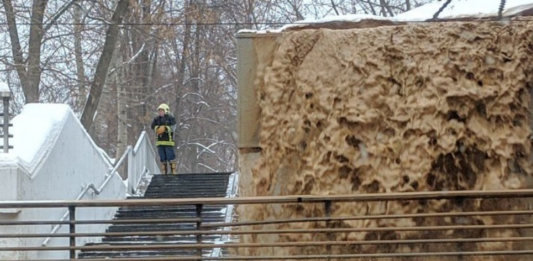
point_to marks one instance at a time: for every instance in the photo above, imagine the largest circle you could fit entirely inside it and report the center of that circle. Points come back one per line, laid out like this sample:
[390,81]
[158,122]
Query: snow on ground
[456,9]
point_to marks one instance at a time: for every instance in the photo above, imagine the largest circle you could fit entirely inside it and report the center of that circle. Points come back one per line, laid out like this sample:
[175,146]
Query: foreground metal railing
[324,248]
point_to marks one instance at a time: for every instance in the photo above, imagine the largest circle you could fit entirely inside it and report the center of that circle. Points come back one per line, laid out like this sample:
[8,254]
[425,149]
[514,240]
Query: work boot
[164,167]
[173,167]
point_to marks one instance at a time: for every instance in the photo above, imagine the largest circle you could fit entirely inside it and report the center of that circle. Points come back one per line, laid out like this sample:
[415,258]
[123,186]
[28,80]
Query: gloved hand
[160,130]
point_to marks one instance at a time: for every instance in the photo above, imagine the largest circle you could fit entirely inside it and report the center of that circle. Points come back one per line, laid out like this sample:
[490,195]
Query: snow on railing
[233,186]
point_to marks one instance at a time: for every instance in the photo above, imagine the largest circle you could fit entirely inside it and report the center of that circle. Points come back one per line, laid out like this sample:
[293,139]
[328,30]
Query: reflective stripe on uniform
[164,143]
[169,142]
[169,130]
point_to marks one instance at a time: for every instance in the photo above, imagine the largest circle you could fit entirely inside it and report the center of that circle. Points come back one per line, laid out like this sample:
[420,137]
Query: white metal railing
[141,159]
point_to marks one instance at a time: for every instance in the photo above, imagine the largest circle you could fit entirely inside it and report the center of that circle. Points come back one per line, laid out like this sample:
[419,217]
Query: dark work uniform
[165,141]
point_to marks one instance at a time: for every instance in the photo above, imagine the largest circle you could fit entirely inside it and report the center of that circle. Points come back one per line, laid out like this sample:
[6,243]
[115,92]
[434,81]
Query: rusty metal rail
[332,247]
[462,194]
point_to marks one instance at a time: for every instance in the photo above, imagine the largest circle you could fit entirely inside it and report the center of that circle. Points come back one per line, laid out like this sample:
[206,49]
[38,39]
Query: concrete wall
[252,50]
[72,162]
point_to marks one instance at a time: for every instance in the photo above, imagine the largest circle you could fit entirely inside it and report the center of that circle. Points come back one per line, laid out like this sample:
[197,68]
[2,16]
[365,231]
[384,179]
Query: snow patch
[4,87]
[466,8]
[35,130]
[456,9]
[340,18]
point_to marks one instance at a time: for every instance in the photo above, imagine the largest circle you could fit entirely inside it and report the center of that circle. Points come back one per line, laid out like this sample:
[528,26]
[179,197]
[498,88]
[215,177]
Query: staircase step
[206,217]
[143,239]
[167,210]
[138,254]
[139,228]
[184,195]
[185,208]
[137,244]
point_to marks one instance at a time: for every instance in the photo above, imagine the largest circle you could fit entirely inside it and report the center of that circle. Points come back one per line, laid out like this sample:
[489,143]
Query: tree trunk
[180,79]
[122,126]
[30,77]
[78,54]
[144,63]
[103,65]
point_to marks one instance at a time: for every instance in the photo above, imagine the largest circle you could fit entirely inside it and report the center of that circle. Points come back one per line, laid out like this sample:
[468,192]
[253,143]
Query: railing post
[72,231]
[327,212]
[5,125]
[130,169]
[199,228]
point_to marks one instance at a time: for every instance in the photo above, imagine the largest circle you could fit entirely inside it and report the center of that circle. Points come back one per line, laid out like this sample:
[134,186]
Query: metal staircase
[165,186]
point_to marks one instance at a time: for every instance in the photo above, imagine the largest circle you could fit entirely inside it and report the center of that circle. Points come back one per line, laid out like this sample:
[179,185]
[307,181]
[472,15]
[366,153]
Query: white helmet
[164,107]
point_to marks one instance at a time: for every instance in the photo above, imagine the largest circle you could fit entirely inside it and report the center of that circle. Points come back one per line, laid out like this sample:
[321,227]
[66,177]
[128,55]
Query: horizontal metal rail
[193,232]
[313,257]
[273,199]
[284,244]
[258,245]
[98,222]
[269,222]
[279,231]
[370,217]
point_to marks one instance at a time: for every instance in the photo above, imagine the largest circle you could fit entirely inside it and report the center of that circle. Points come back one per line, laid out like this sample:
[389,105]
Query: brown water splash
[440,106]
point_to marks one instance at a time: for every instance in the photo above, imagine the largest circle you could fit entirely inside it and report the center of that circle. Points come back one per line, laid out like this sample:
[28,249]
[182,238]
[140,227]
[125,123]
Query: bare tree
[28,69]
[103,64]
[181,52]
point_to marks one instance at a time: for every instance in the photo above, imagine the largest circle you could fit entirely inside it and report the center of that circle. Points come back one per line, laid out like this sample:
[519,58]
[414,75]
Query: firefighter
[165,125]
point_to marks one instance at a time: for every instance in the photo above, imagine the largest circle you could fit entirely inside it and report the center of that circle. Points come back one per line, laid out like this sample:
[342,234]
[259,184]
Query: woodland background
[115,61]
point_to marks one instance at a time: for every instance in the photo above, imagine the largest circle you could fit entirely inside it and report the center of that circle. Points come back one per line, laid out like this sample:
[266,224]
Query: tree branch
[436,15]
[16,49]
[334,6]
[61,11]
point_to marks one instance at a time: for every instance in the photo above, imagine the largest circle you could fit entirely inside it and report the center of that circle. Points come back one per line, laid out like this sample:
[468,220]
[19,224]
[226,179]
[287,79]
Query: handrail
[92,187]
[439,232]
[138,143]
[273,199]
[277,221]
[114,170]
[135,180]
